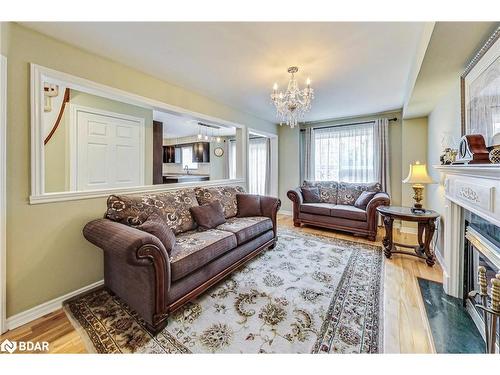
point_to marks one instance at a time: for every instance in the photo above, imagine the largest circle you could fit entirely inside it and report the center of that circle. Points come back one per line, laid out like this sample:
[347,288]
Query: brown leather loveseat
[349,207]
[158,257]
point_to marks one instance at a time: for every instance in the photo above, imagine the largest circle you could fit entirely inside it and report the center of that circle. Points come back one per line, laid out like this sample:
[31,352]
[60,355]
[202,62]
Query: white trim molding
[3,200]
[46,307]
[72,195]
[40,74]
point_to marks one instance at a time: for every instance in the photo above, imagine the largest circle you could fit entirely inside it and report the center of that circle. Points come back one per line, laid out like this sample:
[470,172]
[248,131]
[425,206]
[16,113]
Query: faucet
[186,168]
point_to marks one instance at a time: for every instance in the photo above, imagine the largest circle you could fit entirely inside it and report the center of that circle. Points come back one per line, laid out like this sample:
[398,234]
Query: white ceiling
[355,68]
[177,126]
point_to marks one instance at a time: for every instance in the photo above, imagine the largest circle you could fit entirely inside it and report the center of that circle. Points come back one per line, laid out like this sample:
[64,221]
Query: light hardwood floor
[405,324]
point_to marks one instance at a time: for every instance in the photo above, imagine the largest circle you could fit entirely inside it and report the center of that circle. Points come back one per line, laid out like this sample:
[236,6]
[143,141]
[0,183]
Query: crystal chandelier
[292,104]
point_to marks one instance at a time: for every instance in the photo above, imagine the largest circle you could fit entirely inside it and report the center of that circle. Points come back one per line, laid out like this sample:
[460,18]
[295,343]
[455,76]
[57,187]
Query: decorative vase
[495,155]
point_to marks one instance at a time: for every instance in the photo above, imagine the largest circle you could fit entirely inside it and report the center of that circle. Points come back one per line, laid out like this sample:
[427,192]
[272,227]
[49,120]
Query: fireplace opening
[481,248]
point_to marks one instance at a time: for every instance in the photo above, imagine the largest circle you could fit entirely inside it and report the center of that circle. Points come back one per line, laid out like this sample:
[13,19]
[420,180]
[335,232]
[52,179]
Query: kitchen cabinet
[171,154]
[201,152]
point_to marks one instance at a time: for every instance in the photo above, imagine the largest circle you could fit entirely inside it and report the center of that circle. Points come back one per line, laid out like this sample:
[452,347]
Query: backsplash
[203,168]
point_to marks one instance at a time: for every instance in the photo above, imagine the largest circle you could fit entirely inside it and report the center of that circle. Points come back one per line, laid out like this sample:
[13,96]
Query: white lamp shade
[418,175]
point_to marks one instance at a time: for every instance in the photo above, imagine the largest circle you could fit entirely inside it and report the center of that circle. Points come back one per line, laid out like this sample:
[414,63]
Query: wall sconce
[49,91]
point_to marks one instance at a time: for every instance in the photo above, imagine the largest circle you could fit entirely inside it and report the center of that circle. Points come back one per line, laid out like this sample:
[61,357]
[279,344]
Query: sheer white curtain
[345,153]
[232,158]
[258,164]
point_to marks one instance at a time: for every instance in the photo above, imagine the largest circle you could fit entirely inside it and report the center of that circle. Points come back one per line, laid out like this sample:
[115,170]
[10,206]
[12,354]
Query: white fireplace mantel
[477,189]
[474,187]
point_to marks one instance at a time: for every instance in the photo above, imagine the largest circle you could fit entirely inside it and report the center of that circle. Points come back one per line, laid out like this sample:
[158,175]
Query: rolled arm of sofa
[114,237]
[379,199]
[269,207]
[127,248]
[295,195]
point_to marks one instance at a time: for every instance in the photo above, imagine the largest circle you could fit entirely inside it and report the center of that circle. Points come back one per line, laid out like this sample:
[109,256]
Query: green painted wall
[47,255]
[288,163]
[443,120]
[414,141]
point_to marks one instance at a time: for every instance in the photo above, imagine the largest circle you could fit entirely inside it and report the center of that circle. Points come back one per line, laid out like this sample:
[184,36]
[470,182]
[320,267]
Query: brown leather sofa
[155,280]
[335,208]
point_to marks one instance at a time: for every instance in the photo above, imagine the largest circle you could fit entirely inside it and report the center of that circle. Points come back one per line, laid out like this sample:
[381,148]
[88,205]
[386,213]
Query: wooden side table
[426,227]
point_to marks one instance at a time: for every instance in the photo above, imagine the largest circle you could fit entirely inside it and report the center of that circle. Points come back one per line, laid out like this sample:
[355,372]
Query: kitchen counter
[172,178]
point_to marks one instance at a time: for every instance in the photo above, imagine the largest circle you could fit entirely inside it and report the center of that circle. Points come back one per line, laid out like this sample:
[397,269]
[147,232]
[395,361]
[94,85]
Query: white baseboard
[440,260]
[46,307]
[285,212]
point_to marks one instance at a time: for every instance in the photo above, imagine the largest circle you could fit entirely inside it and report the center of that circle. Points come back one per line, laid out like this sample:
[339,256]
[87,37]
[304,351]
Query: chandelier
[292,104]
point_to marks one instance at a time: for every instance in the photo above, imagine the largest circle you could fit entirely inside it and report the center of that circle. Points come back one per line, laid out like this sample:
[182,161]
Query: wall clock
[472,150]
[218,151]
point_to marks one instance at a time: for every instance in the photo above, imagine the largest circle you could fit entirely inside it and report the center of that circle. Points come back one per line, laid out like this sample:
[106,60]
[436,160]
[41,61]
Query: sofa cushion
[209,215]
[364,199]
[172,206]
[247,228]
[317,208]
[311,194]
[327,190]
[225,194]
[348,192]
[348,212]
[248,205]
[194,249]
[156,226]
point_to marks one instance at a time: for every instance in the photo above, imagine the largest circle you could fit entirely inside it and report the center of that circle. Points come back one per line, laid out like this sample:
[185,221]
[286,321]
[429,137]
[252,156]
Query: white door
[109,151]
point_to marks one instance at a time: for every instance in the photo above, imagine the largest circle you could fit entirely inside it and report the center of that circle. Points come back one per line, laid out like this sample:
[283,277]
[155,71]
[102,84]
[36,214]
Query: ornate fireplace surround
[475,188]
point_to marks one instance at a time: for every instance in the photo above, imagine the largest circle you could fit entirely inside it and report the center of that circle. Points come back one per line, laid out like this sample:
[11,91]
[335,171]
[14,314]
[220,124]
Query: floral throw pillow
[348,192]
[172,206]
[327,190]
[226,195]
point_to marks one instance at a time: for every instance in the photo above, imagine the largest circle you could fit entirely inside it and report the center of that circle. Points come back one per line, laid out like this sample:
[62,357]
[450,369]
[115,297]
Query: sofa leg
[372,237]
[296,224]
[157,328]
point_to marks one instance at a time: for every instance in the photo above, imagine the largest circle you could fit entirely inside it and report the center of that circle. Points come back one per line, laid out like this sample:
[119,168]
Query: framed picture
[480,92]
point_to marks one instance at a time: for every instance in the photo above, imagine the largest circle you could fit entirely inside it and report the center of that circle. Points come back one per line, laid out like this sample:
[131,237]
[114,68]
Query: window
[345,153]
[258,169]
[187,158]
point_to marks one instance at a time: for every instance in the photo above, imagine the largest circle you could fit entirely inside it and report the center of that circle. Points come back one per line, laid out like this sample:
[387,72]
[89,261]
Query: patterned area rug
[310,294]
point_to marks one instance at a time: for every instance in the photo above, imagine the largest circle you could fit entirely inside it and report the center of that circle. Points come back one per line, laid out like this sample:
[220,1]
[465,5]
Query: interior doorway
[262,163]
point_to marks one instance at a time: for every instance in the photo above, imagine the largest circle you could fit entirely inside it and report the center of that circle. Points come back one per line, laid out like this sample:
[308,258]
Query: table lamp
[417,177]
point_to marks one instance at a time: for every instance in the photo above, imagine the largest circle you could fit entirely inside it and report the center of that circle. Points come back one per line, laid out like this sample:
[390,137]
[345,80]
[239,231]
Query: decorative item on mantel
[491,314]
[417,177]
[495,150]
[448,144]
[472,150]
